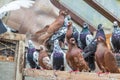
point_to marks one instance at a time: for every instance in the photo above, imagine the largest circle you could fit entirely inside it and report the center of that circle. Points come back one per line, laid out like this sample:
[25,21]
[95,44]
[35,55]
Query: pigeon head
[66,20]
[30,44]
[85,25]
[75,36]
[42,48]
[72,41]
[69,24]
[62,12]
[100,26]
[115,23]
[3,14]
[56,42]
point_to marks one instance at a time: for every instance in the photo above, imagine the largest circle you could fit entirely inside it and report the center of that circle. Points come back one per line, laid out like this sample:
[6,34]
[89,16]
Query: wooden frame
[19,56]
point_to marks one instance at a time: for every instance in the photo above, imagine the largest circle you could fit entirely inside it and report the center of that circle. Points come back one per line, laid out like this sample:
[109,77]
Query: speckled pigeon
[115,39]
[60,34]
[58,57]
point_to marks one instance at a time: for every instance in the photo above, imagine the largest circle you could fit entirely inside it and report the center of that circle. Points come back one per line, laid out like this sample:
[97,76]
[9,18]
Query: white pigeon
[15,5]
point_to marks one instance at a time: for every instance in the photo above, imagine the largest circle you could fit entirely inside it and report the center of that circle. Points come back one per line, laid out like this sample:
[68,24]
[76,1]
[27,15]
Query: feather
[60,34]
[35,57]
[16,5]
[2,27]
[89,39]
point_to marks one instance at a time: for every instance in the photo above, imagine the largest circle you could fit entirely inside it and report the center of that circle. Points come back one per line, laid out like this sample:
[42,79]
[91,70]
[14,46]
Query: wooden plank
[20,61]
[12,36]
[64,75]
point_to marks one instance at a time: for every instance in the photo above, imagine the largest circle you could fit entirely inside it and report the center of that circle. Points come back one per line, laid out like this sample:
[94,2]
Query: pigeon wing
[15,5]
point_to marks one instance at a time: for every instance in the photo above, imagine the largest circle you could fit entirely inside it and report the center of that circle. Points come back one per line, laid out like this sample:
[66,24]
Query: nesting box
[12,48]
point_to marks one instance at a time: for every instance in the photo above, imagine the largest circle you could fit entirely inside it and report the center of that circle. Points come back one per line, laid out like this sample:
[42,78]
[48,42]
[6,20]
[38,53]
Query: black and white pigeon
[85,36]
[32,55]
[115,38]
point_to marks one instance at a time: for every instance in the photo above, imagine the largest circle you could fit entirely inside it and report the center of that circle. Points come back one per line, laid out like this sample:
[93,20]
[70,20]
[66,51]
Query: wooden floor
[7,70]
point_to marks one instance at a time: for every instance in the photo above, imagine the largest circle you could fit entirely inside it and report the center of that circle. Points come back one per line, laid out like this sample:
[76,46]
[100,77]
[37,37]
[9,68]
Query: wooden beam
[12,36]
[64,75]
[79,20]
[101,9]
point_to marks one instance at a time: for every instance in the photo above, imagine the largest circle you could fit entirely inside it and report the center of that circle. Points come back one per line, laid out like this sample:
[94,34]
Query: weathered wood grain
[64,75]
[12,36]
[20,61]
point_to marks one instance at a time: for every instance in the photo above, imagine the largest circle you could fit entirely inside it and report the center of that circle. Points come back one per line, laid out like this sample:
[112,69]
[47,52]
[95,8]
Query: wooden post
[20,61]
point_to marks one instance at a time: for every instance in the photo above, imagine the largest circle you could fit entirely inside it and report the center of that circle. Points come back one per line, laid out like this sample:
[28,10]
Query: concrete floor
[7,71]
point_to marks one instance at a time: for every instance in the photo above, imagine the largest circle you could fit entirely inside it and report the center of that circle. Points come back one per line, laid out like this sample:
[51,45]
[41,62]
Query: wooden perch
[64,75]
[12,36]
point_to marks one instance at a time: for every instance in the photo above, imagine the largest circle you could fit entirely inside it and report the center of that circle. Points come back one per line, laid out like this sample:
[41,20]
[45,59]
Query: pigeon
[74,57]
[44,60]
[90,50]
[83,36]
[53,27]
[58,57]
[31,55]
[104,57]
[115,38]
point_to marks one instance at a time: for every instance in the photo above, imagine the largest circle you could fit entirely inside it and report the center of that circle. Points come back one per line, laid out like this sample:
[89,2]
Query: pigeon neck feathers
[116,29]
[57,47]
[86,30]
